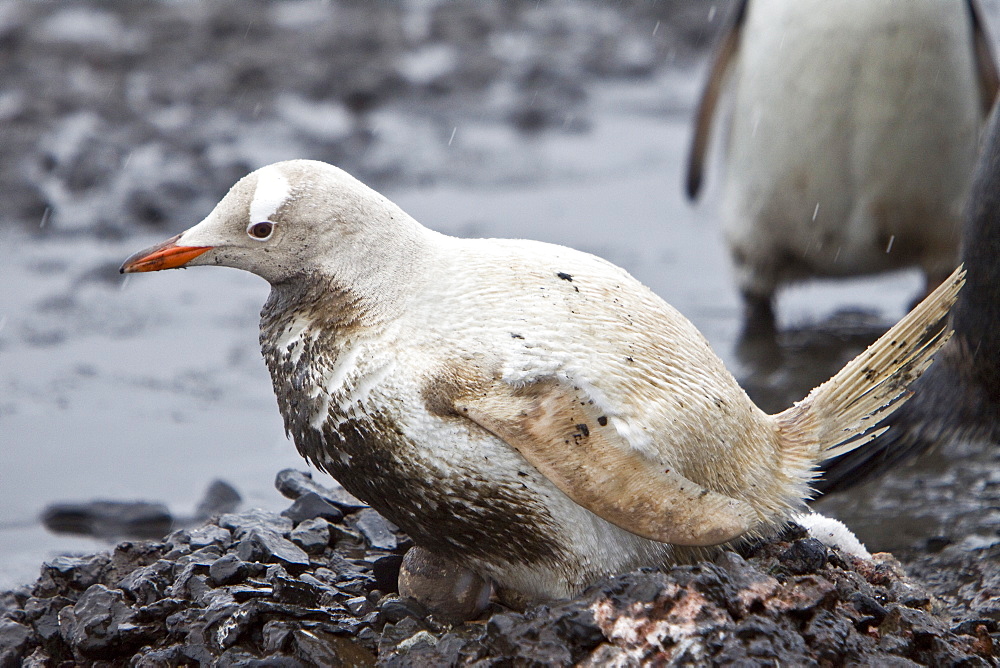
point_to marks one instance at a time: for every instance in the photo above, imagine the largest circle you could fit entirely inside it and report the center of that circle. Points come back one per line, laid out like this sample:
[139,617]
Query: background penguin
[854,129]
[959,396]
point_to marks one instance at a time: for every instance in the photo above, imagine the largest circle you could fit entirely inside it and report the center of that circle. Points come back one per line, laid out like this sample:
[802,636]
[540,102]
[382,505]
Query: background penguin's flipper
[986,68]
[724,54]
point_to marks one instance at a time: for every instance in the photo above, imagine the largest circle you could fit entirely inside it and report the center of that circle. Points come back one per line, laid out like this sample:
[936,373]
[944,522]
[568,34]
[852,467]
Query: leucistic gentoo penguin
[529,411]
[958,399]
[853,134]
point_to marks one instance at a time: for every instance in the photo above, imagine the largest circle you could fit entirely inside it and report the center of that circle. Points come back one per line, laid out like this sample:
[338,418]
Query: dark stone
[227,570]
[311,505]
[737,585]
[908,621]
[13,601]
[359,606]
[337,621]
[75,572]
[160,658]
[868,606]
[250,551]
[329,595]
[760,636]
[159,610]
[148,583]
[100,624]
[293,484]
[202,558]
[243,593]
[312,535]
[276,634]
[909,596]
[512,634]
[805,556]
[338,569]
[396,609]
[210,534]
[109,519]
[189,582]
[802,594]
[345,537]
[295,592]
[178,543]
[265,545]
[44,615]
[220,498]
[250,617]
[318,648]
[830,635]
[386,572]
[238,657]
[275,571]
[244,523]
[398,631]
[970,627]
[357,586]
[238,623]
[374,528]
[14,641]
[196,653]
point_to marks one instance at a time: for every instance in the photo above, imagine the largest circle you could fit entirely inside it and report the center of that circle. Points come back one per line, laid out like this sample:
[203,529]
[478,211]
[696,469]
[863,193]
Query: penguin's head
[288,219]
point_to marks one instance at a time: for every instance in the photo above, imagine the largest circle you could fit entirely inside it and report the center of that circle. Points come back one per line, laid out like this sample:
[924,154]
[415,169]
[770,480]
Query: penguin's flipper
[986,67]
[724,54]
[558,430]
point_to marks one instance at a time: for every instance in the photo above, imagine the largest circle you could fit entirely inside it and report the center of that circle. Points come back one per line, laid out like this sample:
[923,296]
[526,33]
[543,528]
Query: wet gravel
[256,588]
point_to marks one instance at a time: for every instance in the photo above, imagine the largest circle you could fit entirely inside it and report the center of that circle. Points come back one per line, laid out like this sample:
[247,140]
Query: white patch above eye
[271,192]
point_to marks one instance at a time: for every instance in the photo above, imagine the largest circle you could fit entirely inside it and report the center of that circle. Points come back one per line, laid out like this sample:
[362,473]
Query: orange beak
[167,255]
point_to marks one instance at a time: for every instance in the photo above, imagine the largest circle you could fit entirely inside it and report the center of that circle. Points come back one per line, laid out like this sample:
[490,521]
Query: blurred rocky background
[142,114]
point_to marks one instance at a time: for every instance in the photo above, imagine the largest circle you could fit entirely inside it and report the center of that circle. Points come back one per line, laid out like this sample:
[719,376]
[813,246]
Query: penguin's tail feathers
[846,411]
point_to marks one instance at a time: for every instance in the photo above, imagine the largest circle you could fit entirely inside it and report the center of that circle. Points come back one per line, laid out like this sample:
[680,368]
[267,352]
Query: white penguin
[528,411]
[854,130]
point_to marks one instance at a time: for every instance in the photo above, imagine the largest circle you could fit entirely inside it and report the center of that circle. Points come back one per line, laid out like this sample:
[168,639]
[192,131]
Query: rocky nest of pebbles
[316,585]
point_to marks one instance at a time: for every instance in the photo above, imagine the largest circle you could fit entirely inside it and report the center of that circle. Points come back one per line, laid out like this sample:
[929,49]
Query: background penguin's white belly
[855,125]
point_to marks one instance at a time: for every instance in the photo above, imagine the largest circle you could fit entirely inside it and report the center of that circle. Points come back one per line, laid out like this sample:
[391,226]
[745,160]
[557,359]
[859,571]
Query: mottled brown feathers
[458,514]
[557,429]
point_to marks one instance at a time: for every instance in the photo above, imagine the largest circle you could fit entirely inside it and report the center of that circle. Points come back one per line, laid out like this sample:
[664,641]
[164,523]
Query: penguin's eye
[260,230]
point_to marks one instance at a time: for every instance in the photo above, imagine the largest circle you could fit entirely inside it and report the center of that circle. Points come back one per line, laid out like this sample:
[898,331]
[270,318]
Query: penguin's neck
[313,303]
[313,338]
